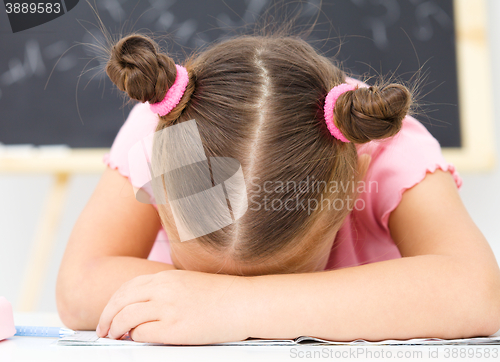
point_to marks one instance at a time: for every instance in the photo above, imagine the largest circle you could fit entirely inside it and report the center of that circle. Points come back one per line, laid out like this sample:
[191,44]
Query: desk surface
[45,349]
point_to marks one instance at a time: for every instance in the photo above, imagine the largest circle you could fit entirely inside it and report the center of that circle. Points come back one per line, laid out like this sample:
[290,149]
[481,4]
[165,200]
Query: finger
[149,332]
[130,317]
[117,303]
[133,291]
[158,332]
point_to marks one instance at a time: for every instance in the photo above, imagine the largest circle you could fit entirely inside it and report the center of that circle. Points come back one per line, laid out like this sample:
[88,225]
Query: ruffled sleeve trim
[107,160]
[447,168]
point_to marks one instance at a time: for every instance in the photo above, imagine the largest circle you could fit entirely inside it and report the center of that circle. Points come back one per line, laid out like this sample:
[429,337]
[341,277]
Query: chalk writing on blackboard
[60,65]
[389,14]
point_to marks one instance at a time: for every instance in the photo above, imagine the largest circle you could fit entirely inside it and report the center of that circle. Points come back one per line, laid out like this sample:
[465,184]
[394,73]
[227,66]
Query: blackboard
[74,103]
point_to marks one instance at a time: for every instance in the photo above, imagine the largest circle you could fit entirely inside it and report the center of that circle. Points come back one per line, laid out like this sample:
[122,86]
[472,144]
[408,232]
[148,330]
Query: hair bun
[137,67]
[372,113]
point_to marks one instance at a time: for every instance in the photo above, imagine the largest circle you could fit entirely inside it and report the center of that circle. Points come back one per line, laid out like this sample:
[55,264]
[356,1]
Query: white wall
[22,198]
[480,192]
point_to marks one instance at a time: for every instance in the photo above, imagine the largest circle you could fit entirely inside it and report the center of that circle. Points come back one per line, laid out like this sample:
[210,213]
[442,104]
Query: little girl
[352,228]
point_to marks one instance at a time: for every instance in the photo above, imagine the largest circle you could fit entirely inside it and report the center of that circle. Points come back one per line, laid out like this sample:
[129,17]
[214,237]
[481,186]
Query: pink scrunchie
[330,100]
[174,94]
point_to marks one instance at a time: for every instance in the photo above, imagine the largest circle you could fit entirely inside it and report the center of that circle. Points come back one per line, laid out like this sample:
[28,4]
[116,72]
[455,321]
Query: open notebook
[90,338]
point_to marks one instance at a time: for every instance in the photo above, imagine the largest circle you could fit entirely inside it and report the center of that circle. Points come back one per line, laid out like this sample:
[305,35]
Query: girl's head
[259,100]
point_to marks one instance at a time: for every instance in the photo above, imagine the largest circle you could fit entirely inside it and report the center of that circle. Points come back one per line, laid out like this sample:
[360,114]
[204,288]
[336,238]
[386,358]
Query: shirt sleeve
[139,126]
[399,163]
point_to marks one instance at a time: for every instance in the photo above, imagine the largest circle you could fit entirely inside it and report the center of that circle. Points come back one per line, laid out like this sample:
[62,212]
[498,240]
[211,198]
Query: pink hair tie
[330,101]
[174,94]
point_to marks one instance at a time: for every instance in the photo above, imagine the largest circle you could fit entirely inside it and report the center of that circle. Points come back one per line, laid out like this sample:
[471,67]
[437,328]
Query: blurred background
[23,196]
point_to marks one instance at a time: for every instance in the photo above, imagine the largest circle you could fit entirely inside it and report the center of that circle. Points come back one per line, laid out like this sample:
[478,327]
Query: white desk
[45,349]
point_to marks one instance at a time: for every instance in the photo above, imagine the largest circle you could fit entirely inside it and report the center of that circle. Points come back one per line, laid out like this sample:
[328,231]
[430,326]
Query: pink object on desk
[7,328]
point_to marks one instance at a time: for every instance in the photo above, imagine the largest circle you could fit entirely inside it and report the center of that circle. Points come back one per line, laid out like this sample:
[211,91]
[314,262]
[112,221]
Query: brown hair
[259,100]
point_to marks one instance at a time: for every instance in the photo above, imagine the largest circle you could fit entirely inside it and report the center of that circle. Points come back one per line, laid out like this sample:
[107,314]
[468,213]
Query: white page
[416,341]
[90,338]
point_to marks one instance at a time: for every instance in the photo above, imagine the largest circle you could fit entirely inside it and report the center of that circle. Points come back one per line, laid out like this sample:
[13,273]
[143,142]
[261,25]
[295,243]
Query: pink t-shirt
[397,164]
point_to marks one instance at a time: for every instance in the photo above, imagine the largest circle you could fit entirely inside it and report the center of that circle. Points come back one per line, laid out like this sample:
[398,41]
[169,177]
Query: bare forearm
[422,296]
[82,296]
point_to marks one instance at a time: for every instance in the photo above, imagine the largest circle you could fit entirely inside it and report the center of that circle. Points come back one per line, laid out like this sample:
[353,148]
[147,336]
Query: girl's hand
[179,307]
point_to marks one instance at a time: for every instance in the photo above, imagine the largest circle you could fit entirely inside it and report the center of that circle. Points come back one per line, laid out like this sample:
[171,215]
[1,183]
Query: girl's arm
[447,284]
[108,246]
